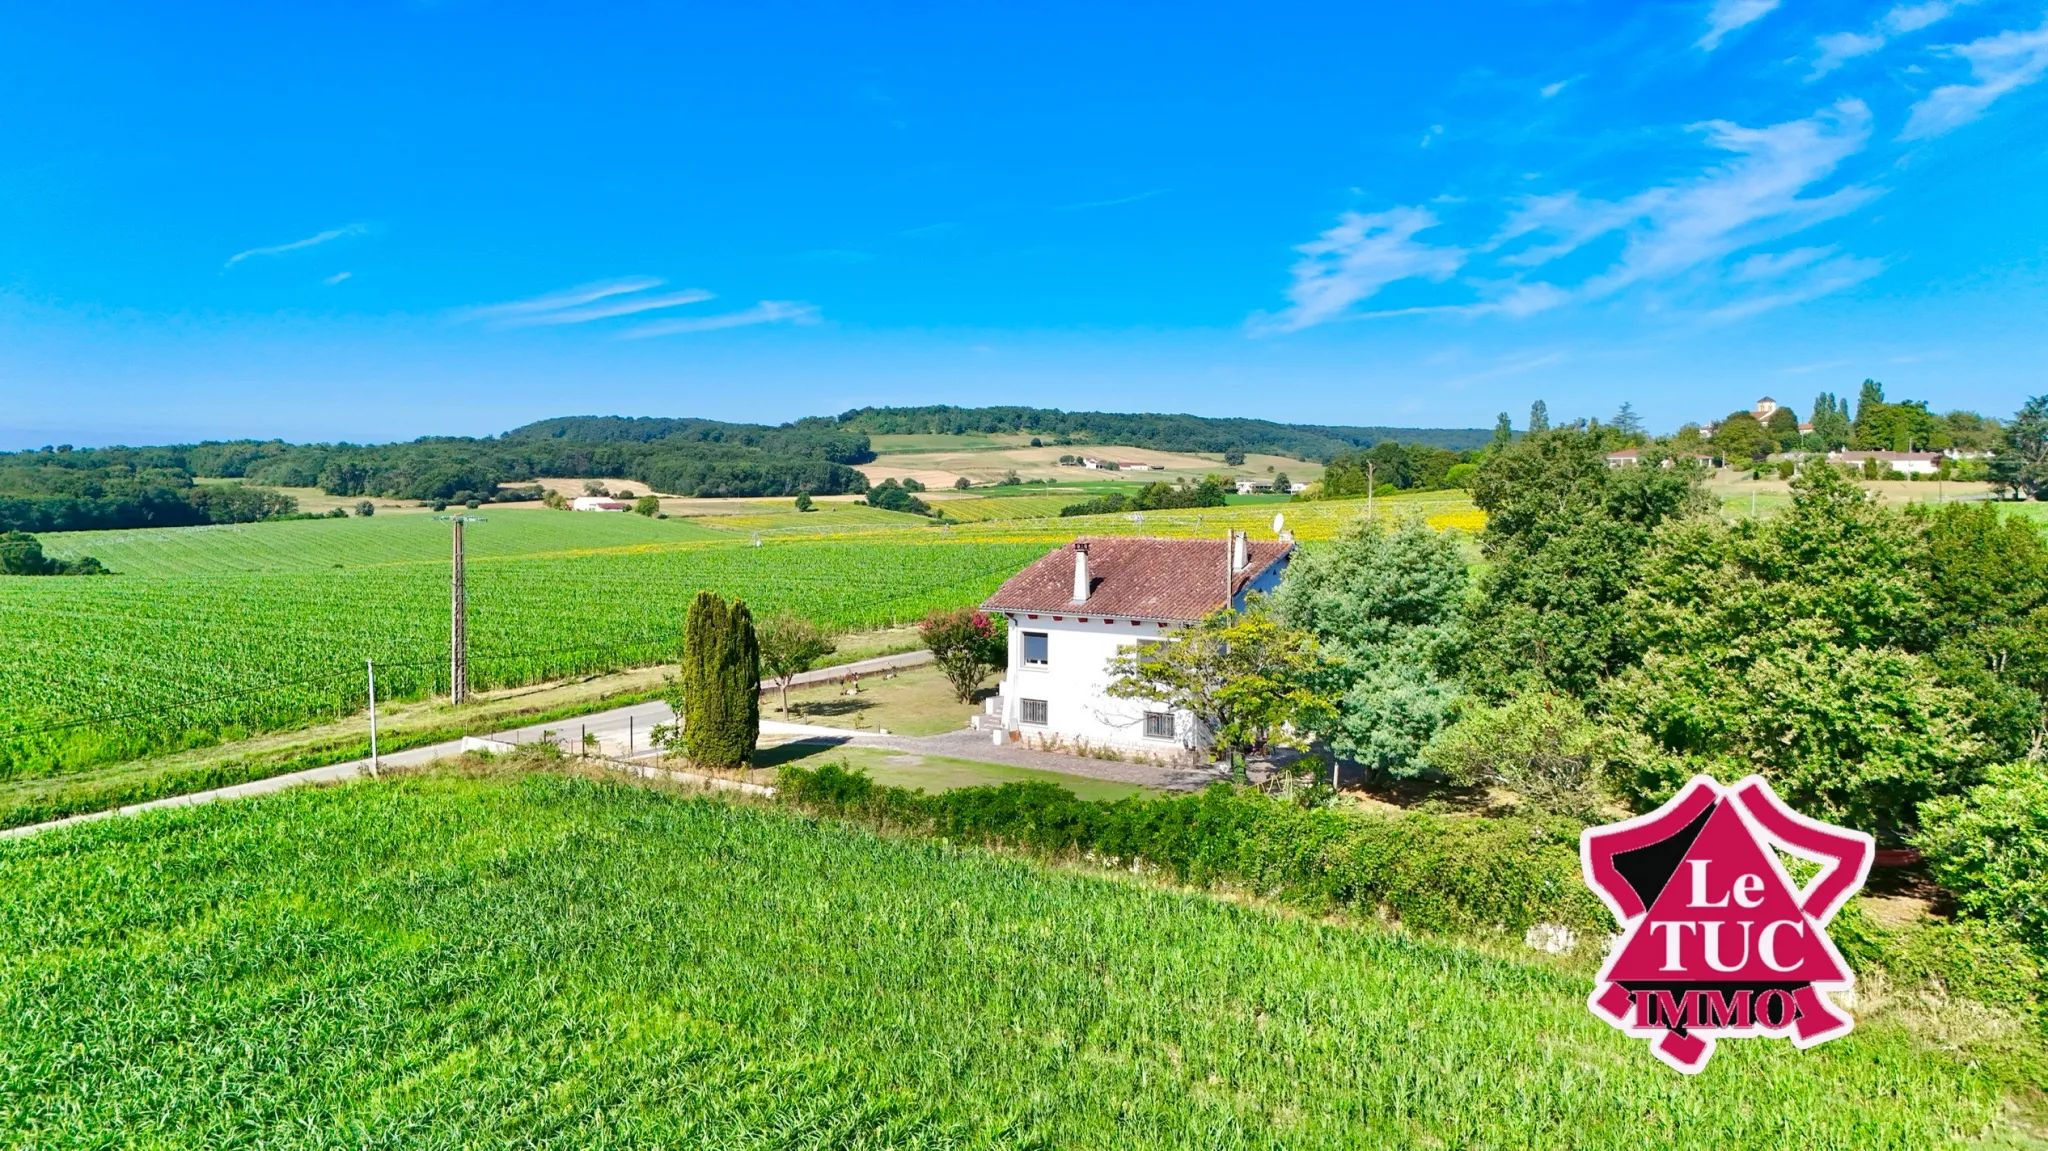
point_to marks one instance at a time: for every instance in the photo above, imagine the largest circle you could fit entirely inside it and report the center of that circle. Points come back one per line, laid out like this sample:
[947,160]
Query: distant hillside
[59,489]
[1166,433]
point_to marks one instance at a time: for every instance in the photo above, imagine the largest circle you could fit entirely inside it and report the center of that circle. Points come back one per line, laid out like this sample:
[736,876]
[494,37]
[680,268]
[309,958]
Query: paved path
[627,733]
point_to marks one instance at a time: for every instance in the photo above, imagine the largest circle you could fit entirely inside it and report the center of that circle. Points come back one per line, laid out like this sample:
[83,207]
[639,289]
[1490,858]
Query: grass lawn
[916,701]
[932,772]
[536,961]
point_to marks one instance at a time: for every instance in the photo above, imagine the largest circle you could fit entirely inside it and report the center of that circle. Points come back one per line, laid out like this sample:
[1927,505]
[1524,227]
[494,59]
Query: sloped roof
[1142,577]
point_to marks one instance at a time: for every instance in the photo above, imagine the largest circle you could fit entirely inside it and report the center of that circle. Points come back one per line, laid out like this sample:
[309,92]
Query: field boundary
[414,756]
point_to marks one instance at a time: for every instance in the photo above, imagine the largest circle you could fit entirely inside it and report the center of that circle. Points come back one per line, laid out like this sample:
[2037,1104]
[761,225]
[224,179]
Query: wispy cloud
[765,312]
[2000,64]
[1728,15]
[1550,90]
[1839,48]
[584,303]
[296,245]
[1354,260]
[1693,240]
[565,298]
[337,278]
[1132,199]
[607,309]
[1758,197]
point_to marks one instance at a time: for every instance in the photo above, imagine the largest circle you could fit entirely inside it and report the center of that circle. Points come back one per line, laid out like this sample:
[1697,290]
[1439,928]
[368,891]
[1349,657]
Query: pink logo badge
[1717,941]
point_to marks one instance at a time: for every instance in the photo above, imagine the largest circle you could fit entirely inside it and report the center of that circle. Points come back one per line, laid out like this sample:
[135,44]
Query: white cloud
[765,312]
[1549,90]
[1681,228]
[1728,15]
[555,301]
[1906,18]
[1793,278]
[295,245]
[1839,48]
[337,278]
[2000,64]
[1355,259]
[606,309]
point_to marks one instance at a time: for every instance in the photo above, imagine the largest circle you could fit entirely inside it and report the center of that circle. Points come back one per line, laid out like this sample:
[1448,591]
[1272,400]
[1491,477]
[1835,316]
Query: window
[1032,711]
[1158,725]
[1034,649]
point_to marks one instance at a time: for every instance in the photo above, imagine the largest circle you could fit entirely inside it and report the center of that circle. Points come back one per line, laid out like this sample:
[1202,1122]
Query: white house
[598,504]
[1905,463]
[1625,458]
[1246,486]
[1075,608]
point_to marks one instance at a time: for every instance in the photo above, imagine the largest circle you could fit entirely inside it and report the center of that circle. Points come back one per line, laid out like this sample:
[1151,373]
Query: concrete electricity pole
[458,620]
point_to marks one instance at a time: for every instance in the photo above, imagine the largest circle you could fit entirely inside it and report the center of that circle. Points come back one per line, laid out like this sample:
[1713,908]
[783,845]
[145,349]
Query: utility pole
[371,664]
[458,619]
[1371,468]
[458,629]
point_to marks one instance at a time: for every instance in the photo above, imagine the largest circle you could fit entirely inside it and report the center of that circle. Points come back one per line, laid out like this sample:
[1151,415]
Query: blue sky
[374,221]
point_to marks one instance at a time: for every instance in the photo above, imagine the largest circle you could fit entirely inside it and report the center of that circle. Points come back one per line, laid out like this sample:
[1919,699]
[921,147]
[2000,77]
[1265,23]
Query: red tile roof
[1165,579]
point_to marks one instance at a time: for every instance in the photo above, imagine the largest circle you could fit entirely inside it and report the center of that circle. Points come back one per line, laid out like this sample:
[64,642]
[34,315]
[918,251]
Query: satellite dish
[1279,521]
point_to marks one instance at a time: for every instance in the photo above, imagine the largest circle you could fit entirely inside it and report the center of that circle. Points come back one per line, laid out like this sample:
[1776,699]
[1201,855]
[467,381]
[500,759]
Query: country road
[626,733]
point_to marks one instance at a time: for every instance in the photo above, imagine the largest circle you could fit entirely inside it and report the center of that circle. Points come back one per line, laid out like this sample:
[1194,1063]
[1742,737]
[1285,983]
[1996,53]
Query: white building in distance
[598,504]
[1077,607]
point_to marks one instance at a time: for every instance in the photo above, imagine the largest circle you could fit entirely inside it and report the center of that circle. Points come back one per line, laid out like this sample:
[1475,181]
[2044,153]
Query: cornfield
[543,962]
[111,668]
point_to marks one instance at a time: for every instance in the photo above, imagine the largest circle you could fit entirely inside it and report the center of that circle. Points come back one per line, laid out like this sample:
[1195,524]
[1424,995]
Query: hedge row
[1435,873]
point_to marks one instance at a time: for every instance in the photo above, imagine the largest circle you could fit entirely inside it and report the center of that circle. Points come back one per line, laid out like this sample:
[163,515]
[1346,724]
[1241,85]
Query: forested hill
[62,489]
[1160,432]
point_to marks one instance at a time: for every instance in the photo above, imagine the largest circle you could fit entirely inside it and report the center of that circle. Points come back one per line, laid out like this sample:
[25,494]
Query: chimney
[1081,585]
[1238,559]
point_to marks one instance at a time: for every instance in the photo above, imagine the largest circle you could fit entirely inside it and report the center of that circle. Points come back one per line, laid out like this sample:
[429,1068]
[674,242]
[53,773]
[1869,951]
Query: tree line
[1885,669]
[1159,432]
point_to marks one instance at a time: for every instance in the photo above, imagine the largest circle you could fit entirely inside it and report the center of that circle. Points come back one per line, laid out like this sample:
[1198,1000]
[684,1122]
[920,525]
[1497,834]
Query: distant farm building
[598,504]
[1905,463]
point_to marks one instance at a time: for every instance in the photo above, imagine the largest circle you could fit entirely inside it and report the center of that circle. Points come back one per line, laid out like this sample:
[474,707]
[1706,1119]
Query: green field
[312,545]
[542,962]
[110,668]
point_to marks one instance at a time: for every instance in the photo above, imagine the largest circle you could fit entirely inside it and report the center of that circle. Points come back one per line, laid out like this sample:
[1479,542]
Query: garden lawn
[547,962]
[915,701]
[933,773]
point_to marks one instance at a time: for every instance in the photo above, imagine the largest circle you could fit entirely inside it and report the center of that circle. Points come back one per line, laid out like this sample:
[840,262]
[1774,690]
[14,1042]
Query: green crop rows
[548,963]
[315,545]
[109,668]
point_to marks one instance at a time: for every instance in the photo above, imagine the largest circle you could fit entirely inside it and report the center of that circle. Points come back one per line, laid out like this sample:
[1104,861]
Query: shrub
[649,506]
[1435,873]
[365,508]
[961,484]
[719,683]
[1539,745]
[967,645]
[803,501]
[1989,847]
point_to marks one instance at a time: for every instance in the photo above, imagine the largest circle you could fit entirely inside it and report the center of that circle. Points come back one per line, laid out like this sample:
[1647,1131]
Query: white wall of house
[1073,681]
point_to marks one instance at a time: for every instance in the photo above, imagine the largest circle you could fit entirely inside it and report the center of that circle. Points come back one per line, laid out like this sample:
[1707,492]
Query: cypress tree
[720,681]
